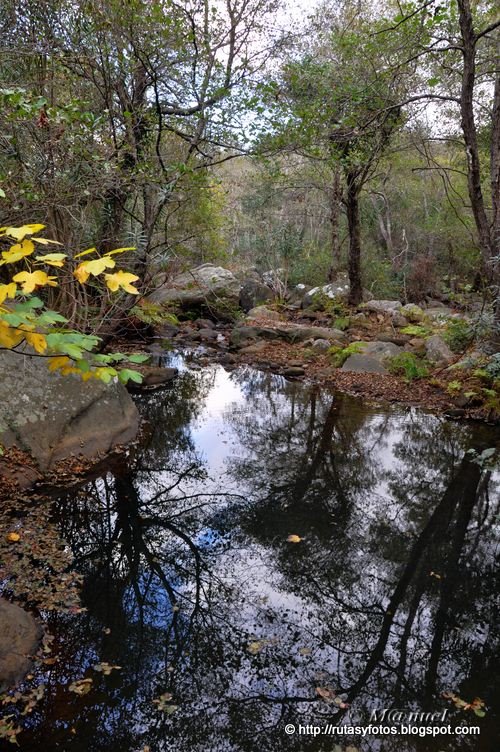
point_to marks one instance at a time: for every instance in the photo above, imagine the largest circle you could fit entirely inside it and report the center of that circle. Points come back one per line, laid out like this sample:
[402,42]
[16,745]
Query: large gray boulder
[336,290]
[242,336]
[372,357]
[52,416]
[20,639]
[437,351]
[389,307]
[254,293]
[206,284]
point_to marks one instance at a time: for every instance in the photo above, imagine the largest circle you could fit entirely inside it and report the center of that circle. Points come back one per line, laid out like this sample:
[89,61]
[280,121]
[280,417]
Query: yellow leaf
[53,259]
[7,291]
[58,362]
[97,266]
[120,250]
[46,241]
[85,253]
[37,341]
[122,279]
[294,539]
[81,274]
[18,251]
[13,537]
[9,336]
[20,232]
[30,280]
[94,267]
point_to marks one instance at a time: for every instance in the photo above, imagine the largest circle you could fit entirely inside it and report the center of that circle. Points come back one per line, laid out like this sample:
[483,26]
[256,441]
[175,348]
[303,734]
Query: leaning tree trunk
[353,224]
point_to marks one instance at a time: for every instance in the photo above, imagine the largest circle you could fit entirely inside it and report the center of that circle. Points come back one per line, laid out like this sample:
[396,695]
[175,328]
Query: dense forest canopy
[364,138]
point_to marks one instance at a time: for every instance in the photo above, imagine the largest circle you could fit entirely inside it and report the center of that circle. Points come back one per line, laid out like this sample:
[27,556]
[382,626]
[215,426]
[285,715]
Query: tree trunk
[352,205]
[335,206]
[470,134]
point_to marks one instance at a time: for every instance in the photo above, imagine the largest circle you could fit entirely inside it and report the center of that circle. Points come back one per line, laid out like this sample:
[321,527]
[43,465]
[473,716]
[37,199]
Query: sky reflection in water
[391,597]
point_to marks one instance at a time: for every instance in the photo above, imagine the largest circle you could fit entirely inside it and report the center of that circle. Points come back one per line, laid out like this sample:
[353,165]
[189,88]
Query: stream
[226,629]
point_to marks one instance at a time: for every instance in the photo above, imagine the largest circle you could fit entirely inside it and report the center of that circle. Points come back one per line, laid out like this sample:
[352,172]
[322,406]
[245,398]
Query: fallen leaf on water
[255,646]
[326,693]
[162,703]
[294,539]
[340,702]
[105,668]
[13,537]
[81,686]
[305,651]
[436,575]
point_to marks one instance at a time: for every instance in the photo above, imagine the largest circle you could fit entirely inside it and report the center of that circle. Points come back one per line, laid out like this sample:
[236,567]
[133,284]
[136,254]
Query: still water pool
[191,584]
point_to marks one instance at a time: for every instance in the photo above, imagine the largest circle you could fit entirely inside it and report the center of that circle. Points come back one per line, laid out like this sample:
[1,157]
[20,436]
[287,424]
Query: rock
[227,359]
[381,349]
[359,363]
[165,331]
[336,290]
[437,351]
[155,376]
[253,293]
[383,306]
[293,371]
[243,335]
[413,312]
[417,344]
[299,292]
[262,312]
[322,345]
[52,416]
[208,285]
[207,335]
[371,358]
[256,347]
[398,320]
[397,339]
[21,636]
[432,303]
[204,324]
[440,314]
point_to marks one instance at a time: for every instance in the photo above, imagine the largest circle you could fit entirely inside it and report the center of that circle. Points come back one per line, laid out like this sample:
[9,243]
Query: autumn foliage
[26,321]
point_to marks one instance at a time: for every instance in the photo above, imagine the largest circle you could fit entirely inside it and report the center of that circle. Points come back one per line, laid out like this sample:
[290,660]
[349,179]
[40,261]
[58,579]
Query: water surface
[389,599]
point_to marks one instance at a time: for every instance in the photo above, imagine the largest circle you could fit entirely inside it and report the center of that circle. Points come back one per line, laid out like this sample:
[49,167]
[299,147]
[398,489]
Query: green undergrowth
[408,365]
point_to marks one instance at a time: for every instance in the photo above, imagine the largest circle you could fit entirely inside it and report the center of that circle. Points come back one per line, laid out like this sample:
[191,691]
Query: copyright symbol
[289,728]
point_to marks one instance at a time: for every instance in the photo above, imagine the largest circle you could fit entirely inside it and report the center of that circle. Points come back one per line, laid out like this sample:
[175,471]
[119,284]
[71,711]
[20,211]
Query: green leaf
[137,358]
[128,375]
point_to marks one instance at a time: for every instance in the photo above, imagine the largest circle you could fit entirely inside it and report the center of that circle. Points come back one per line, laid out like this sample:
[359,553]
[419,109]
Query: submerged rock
[52,417]
[21,635]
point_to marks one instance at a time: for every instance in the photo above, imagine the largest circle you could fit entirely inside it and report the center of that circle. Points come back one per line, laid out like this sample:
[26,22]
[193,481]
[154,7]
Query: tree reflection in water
[192,587]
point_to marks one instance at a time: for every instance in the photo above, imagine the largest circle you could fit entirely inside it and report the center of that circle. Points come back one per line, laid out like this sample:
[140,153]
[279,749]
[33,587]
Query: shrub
[458,335]
[408,365]
[342,323]
[153,313]
[493,367]
[416,330]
